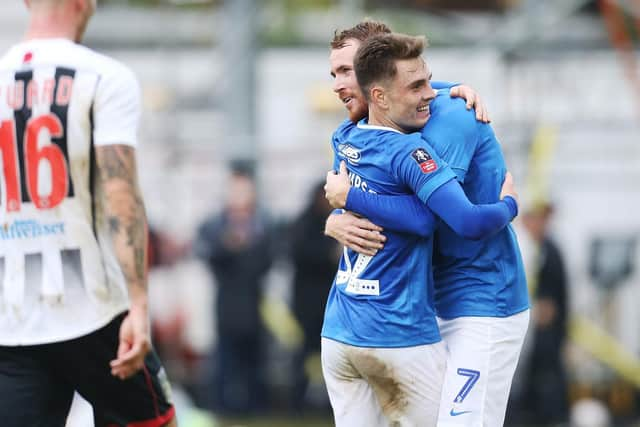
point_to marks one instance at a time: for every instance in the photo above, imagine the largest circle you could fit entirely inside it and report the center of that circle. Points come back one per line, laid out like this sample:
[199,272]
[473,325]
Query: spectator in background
[236,245]
[543,397]
[315,257]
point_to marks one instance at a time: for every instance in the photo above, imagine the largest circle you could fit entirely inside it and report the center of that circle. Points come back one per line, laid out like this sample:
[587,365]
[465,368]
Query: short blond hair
[361,32]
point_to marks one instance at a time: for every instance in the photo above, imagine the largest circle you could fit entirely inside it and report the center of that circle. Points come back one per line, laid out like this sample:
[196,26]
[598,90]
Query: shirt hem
[380,345]
[116,140]
[66,337]
[472,313]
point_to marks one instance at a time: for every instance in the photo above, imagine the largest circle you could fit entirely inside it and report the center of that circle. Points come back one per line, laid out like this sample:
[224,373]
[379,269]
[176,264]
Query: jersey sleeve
[416,165]
[402,214]
[336,162]
[339,135]
[454,134]
[438,85]
[468,220]
[116,111]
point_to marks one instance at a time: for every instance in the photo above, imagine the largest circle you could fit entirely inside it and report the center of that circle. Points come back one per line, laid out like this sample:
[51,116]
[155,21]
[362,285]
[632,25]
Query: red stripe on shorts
[156,422]
[154,397]
[159,420]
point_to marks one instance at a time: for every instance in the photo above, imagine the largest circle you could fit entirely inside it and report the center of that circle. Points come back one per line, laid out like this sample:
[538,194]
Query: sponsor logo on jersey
[348,151]
[424,160]
[29,229]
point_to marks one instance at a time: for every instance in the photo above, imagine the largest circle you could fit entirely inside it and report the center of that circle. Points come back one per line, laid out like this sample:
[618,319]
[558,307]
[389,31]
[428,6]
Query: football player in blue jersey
[480,288]
[382,355]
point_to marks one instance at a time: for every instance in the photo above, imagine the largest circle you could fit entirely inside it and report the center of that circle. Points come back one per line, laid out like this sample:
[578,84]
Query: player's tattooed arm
[125,213]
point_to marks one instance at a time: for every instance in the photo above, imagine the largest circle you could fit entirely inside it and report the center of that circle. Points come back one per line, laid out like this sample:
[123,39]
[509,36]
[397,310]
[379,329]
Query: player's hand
[337,187]
[358,234]
[473,101]
[135,343]
[509,188]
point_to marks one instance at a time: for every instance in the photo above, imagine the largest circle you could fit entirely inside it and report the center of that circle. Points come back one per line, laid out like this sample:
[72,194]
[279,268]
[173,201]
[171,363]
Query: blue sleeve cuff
[354,200]
[512,204]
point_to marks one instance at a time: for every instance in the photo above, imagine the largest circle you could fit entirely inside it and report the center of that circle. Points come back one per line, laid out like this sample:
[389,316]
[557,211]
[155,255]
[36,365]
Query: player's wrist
[342,198]
[139,300]
[329,227]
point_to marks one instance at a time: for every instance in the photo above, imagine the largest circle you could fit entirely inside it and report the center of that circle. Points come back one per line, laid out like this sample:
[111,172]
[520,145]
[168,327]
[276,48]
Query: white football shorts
[483,354]
[380,387]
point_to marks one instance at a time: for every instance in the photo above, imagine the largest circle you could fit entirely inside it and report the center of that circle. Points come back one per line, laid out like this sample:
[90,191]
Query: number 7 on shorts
[466,388]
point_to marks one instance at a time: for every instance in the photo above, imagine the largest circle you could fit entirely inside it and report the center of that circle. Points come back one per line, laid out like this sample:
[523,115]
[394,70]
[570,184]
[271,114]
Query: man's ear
[379,97]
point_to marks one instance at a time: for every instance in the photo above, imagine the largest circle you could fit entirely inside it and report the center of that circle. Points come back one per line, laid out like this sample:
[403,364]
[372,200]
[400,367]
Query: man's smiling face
[345,83]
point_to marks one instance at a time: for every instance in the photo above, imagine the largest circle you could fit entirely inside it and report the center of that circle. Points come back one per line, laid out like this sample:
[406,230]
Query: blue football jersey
[473,278]
[382,300]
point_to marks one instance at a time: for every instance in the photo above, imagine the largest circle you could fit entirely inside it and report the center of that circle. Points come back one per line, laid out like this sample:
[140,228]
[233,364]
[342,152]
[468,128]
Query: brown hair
[376,58]
[361,32]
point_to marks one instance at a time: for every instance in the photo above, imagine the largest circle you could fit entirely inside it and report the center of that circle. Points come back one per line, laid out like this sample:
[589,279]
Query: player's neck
[51,27]
[379,118]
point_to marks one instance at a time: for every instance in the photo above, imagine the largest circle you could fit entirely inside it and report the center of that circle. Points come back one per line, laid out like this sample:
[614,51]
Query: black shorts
[37,384]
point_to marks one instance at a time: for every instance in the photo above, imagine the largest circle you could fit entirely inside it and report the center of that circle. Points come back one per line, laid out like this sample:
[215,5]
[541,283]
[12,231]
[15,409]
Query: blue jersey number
[466,388]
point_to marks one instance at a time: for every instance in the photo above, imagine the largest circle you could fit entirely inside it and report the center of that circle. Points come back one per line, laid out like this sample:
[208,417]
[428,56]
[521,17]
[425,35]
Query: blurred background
[238,114]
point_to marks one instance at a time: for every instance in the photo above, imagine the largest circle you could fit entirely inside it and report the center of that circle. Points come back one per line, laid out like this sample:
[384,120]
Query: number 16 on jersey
[21,162]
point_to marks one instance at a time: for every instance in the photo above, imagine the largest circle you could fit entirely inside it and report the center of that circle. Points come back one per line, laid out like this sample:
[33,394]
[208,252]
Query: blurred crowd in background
[235,146]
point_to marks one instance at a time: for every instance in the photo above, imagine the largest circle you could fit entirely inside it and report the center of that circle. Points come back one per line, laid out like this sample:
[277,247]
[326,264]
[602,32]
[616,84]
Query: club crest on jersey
[424,160]
[349,152]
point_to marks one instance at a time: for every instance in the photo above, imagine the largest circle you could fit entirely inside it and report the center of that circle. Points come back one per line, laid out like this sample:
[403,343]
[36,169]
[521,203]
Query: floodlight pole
[238,45]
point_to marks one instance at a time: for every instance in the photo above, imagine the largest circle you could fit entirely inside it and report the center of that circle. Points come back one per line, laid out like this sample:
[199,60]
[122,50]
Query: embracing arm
[403,214]
[387,212]
[471,221]
[125,214]
[354,232]
[408,214]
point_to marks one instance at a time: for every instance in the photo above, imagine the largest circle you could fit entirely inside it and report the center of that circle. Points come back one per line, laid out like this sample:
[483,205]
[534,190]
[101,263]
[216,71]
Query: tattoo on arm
[114,224]
[125,212]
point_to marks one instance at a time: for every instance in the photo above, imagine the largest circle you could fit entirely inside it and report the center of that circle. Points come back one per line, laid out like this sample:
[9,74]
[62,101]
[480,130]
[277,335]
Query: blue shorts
[37,384]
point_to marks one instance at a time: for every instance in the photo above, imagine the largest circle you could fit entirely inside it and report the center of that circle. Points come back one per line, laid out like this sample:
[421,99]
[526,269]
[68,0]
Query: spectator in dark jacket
[543,400]
[237,247]
[315,257]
